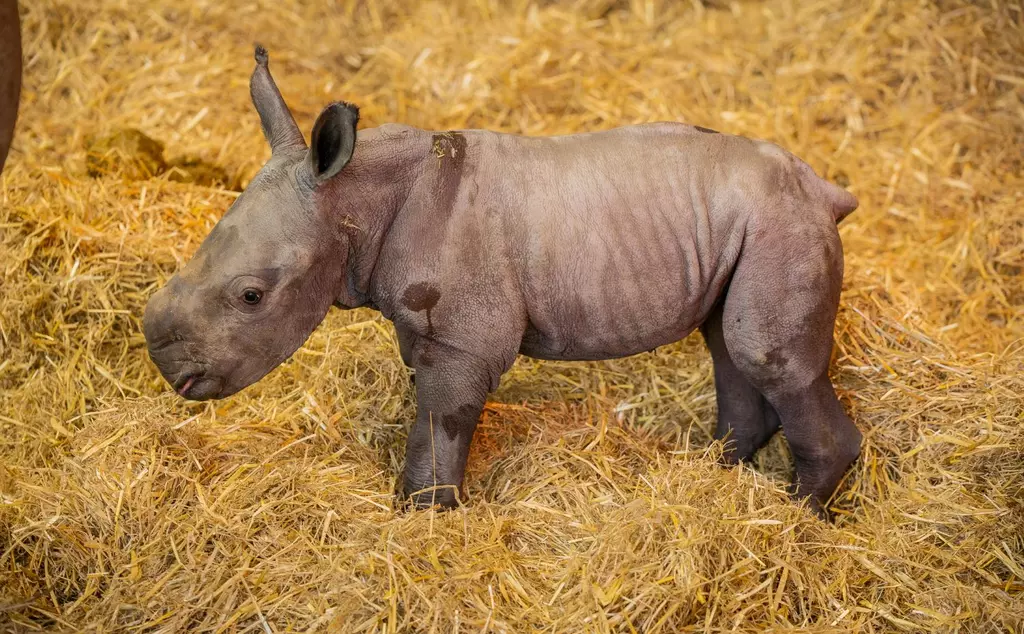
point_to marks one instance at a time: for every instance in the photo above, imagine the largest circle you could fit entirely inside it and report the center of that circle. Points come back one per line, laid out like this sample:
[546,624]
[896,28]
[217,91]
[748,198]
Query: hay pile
[596,502]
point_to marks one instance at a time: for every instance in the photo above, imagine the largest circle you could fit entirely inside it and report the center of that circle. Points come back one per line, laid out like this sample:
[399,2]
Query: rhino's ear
[333,140]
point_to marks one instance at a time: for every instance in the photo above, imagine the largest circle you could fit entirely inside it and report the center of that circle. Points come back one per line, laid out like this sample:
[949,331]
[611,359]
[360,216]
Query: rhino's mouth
[184,388]
[197,387]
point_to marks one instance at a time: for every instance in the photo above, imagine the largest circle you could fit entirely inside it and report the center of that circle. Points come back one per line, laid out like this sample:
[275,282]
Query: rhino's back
[601,244]
[620,240]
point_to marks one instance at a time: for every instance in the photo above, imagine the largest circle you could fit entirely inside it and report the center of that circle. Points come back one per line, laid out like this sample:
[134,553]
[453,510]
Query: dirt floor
[596,503]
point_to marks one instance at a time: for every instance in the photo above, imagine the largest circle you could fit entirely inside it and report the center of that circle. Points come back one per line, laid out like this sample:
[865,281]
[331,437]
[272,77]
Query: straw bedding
[596,502]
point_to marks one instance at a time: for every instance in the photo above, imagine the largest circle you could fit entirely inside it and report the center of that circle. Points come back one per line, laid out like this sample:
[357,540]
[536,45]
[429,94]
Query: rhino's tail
[840,202]
[843,202]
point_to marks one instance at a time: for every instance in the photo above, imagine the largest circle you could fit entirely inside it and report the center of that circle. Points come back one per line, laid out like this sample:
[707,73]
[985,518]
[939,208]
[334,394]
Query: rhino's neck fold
[363,200]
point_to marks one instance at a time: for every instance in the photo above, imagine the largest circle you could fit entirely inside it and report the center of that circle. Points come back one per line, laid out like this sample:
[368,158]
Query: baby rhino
[480,246]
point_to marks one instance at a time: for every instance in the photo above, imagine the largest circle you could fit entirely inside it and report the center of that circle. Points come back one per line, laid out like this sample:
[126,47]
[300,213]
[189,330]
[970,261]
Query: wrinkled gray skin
[481,246]
[10,74]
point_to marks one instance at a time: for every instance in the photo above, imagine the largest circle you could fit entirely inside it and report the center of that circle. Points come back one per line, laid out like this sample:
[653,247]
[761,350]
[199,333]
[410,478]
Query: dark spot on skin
[450,150]
[419,297]
[452,145]
[426,360]
[776,359]
[461,421]
[705,130]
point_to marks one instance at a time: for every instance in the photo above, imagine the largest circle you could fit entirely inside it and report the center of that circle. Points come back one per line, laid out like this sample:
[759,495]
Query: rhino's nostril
[157,344]
[161,345]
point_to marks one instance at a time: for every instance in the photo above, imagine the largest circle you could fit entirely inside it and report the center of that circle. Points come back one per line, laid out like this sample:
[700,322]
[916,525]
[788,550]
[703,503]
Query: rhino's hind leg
[746,421]
[777,324]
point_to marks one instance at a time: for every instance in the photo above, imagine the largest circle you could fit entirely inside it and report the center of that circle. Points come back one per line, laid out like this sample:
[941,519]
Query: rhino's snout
[165,345]
[169,350]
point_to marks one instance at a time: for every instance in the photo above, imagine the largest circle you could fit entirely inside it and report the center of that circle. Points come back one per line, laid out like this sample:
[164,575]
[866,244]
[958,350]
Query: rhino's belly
[597,346]
[616,317]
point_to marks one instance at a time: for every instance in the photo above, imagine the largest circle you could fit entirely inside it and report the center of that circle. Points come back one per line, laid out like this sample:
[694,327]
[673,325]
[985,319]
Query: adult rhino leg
[746,420]
[10,73]
[777,325]
[451,387]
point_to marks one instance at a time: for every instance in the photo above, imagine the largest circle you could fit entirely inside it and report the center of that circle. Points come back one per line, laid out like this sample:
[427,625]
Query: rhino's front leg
[451,387]
[405,349]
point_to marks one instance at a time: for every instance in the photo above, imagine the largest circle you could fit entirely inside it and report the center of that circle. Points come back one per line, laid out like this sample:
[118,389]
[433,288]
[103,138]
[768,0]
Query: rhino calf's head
[269,271]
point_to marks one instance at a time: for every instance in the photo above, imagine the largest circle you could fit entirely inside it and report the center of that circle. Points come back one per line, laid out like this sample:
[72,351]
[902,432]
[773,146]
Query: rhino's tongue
[184,388]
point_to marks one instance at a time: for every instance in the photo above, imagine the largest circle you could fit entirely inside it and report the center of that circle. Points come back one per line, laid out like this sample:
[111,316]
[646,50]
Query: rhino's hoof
[440,497]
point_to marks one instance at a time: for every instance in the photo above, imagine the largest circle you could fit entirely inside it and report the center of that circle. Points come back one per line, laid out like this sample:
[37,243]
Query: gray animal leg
[746,421]
[777,323]
[451,388]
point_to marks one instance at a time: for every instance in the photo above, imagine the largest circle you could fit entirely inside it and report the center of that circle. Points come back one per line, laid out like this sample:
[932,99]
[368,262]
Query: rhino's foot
[430,496]
[823,440]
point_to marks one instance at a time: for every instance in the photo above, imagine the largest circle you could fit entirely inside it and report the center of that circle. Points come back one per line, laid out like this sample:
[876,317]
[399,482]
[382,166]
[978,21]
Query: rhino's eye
[251,296]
